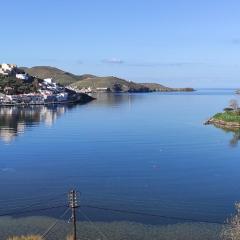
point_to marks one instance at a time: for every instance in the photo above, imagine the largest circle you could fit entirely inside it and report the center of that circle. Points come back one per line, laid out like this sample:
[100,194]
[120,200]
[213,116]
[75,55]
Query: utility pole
[73,204]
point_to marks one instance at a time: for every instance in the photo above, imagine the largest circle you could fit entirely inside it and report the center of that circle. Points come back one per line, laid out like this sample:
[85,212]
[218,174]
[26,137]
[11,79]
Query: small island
[229,119]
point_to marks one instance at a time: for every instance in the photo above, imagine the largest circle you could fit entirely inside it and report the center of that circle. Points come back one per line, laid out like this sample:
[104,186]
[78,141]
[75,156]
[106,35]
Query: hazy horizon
[175,43]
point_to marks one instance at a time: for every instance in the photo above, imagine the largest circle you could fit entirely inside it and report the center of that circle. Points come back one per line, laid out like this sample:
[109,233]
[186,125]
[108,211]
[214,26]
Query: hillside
[112,84]
[12,85]
[59,76]
[156,87]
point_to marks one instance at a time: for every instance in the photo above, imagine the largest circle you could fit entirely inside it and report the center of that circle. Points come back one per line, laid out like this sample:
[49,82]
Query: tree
[231,231]
[234,104]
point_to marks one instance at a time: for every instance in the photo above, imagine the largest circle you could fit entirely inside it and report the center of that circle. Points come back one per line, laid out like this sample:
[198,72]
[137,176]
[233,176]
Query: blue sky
[175,42]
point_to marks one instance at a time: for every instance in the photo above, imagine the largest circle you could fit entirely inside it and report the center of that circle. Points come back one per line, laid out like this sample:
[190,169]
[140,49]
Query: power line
[73,205]
[40,202]
[112,210]
[31,210]
[150,214]
[54,224]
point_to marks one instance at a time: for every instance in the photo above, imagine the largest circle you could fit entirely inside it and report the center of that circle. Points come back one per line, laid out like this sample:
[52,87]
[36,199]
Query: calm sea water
[140,152]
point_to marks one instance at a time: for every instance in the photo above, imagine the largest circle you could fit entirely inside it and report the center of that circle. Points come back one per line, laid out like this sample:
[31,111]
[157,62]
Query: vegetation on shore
[231,231]
[229,119]
[17,86]
[11,85]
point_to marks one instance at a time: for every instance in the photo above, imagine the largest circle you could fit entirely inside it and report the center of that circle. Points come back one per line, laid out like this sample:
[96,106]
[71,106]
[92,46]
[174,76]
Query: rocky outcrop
[223,124]
[156,87]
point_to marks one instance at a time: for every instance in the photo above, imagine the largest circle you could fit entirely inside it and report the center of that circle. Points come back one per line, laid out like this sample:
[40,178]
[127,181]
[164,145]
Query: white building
[7,69]
[48,80]
[22,76]
[62,97]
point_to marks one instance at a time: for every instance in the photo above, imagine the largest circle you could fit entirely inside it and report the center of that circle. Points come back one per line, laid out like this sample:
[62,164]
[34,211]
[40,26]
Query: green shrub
[228,116]
[19,86]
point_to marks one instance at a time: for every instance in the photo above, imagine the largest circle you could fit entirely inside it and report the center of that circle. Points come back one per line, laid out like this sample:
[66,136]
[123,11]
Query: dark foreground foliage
[18,86]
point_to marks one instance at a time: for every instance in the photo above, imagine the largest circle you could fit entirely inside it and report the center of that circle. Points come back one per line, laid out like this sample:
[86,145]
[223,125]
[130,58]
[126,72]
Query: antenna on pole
[73,204]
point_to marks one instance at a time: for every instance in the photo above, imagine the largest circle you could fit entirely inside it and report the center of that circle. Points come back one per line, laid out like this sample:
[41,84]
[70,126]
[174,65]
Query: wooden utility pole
[73,204]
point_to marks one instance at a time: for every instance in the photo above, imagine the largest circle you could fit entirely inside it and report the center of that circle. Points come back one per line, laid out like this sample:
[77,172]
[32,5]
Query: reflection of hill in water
[14,120]
[111,99]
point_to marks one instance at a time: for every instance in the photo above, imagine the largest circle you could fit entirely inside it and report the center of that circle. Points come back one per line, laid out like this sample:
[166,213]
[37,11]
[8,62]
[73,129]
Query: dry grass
[69,237]
[30,237]
[33,237]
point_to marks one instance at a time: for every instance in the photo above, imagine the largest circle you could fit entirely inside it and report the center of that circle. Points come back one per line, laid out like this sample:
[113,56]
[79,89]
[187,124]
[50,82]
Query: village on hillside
[39,91]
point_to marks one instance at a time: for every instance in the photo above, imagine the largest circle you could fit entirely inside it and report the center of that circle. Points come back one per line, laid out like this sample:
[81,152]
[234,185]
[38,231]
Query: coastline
[44,104]
[223,124]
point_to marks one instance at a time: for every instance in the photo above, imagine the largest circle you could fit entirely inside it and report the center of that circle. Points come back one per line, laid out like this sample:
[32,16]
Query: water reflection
[236,135]
[115,99]
[15,120]
[235,139]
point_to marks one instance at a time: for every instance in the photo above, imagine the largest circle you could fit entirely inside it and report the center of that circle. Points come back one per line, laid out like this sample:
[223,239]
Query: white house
[48,80]
[7,69]
[22,76]
[62,97]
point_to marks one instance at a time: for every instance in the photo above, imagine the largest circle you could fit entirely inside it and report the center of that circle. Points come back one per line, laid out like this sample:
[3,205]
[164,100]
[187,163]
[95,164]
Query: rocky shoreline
[79,99]
[223,124]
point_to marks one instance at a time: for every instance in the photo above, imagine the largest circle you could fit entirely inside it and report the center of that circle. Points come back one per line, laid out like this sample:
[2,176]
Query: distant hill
[112,84]
[156,87]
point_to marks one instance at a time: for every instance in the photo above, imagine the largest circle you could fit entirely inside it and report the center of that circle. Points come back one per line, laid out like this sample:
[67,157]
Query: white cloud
[113,61]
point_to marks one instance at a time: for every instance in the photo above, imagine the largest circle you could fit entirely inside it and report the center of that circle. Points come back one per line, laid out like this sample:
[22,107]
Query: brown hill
[59,76]
[112,84]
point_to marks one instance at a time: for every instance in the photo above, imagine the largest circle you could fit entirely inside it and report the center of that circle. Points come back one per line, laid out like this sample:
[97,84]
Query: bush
[19,86]
[232,230]
[228,116]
